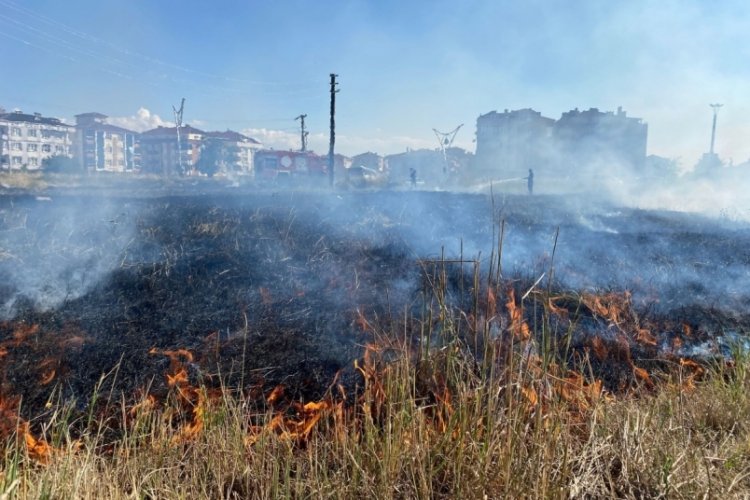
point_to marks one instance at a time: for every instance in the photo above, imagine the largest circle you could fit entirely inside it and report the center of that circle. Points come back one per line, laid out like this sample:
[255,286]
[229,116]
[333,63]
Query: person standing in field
[530,181]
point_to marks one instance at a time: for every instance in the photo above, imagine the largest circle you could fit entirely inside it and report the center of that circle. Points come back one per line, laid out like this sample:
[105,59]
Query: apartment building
[26,140]
[235,151]
[101,147]
[162,154]
[581,145]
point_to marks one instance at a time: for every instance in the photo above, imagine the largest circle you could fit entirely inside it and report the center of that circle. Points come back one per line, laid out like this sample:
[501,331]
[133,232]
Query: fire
[38,449]
[23,332]
[693,371]
[600,350]
[611,306]
[276,394]
[645,337]
[518,326]
[580,394]
[554,309]
[491,302]
[177,379]
[191,399]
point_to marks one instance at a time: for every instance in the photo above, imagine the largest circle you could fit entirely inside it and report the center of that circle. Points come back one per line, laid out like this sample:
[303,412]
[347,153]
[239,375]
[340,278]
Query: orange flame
[611,306]
[38,449]
[645,337]
[518,326]
[276,394]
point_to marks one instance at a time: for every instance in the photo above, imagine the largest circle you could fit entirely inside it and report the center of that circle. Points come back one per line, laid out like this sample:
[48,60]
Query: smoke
[346,143]
[57,250]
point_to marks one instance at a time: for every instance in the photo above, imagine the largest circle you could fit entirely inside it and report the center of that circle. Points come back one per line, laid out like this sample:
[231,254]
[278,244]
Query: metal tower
[178,124]
[446,141]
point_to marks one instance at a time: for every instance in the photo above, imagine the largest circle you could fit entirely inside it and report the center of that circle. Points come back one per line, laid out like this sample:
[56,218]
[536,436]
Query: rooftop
[19,116]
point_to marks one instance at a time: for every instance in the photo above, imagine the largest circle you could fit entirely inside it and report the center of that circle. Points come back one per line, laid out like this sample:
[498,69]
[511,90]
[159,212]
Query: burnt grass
[265,288]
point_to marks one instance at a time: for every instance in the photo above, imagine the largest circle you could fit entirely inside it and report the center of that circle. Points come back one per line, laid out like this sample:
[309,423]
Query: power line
[93,39]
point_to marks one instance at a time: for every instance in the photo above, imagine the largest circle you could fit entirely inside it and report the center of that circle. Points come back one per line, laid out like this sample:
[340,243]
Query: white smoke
[346,144]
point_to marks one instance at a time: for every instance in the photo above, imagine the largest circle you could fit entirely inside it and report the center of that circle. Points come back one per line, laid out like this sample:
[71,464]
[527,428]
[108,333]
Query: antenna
[303,132]
[446,141]
[178,124]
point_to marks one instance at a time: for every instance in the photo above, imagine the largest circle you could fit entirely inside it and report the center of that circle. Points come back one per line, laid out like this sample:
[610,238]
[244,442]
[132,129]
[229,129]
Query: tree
[217,155]
[60,164]
[212,157]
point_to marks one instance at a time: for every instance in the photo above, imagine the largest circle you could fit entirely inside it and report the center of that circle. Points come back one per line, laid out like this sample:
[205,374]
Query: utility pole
[715,107]
[445,139]
[178,124]
[303,132]
[334,90]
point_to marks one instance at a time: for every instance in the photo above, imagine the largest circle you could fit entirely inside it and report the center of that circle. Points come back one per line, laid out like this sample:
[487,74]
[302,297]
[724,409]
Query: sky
[404,67]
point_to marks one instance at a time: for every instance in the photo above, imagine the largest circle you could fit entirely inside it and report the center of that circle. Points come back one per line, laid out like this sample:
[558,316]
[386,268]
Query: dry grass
[430,427]
[482,413]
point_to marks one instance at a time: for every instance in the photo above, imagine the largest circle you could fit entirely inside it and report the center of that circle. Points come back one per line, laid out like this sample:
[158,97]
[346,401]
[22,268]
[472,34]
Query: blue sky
[404,66]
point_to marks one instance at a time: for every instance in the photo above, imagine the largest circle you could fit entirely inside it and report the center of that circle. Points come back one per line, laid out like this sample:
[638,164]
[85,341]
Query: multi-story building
[511,142]
[27,140]
[161,154]
[580,146]
[592,139]
[235,152]
[101,147]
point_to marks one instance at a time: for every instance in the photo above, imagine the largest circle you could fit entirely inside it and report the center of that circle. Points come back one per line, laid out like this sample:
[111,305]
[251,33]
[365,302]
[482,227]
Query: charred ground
[270,289]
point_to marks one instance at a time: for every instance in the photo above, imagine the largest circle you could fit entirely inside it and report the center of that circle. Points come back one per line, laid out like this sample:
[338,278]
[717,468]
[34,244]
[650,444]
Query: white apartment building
[101,147]
[27,140]
[239,151]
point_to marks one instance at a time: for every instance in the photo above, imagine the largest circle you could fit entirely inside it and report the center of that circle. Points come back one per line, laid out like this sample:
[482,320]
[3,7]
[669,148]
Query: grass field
[480,416]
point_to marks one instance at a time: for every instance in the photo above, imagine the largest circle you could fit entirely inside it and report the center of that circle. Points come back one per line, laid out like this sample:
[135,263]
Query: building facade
[26,140]
[161,153]
[590,140]
[235,151]
[580,146]
[101,147]
[511,142]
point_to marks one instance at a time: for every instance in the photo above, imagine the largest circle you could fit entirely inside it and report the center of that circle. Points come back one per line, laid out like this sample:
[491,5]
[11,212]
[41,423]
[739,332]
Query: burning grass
[489,406]
[256,358]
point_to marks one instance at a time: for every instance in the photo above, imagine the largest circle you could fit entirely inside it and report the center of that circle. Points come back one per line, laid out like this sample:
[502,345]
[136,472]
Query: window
[31,147]
[17,160]
[58,149]
[46,148]
[32,132]
[16,146]
[34,162]
[108,163]
[15,131]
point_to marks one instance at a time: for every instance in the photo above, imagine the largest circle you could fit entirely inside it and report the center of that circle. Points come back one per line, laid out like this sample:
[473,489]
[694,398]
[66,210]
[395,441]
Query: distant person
[413,177]
[530,181]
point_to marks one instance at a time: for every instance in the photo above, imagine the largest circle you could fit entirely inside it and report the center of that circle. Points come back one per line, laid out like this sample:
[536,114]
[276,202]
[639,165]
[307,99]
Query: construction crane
[178,124]
[445,139]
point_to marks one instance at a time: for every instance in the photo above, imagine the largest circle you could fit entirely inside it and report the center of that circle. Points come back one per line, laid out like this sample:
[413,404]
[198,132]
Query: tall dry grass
[464,410]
